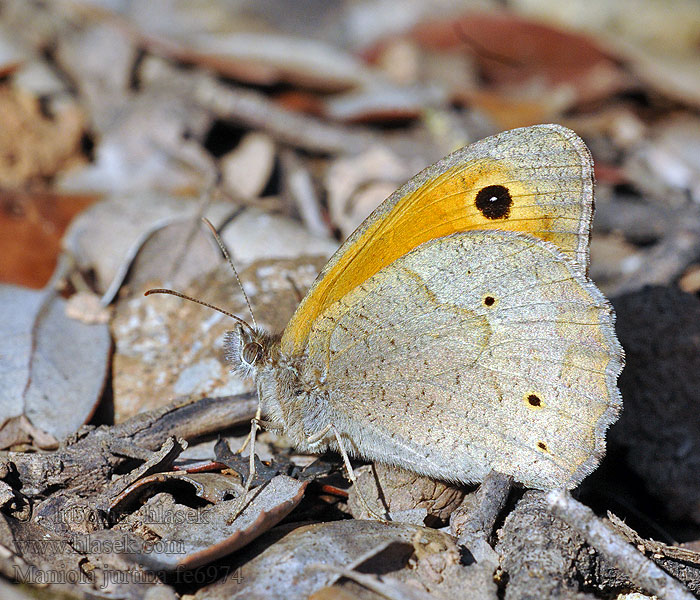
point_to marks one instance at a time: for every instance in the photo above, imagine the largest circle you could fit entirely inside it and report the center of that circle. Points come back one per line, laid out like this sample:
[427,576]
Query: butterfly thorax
[286,398]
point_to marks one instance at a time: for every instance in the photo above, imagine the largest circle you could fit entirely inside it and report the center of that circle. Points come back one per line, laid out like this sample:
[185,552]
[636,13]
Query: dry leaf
[201,536]
[53,367]
[247,168]
[108,236]
[286,569]
[31,227]
[34,146]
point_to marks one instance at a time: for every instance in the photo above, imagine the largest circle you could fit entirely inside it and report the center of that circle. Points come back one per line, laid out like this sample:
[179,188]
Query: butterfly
[456,331]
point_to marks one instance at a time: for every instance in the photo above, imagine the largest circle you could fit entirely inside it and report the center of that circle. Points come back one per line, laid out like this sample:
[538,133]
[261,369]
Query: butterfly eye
[251,353]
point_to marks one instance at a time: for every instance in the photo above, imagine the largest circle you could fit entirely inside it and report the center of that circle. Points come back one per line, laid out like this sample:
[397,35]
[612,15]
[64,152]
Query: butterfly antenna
[230,262]
[191,299]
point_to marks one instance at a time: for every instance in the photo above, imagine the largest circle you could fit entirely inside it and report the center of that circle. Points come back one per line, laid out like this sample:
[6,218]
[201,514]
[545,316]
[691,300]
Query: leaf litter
[285,126]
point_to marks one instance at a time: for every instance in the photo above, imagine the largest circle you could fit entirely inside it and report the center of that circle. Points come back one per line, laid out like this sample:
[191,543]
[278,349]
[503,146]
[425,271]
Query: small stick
[387,587]
[490,499]
[615,548]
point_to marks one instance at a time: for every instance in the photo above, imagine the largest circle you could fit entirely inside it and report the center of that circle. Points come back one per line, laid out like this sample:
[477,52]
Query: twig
[615,548]
[388,587]
[258,112]
[162,460]
[301,188]
[490,500]
[87,461]
[666,260]
[652,546]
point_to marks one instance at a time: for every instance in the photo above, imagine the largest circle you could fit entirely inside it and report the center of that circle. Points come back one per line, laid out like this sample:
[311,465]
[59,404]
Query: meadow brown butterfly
[456,331]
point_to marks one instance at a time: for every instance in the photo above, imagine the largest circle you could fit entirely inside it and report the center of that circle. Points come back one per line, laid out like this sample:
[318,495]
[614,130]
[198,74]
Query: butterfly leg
[241,504]
[267,425]
[317,437]
[256,423]
[353,478]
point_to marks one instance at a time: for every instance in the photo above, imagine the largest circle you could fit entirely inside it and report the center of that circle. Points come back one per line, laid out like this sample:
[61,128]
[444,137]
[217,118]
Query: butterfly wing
[536,180]
[480,350]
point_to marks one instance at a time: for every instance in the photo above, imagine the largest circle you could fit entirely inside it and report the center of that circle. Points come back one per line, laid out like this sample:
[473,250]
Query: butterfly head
[248,349]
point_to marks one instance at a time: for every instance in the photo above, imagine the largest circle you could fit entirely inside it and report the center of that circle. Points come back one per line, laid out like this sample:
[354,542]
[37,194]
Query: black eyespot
[251,353]
[489,300]
[534,400]
[494,202]
[542,446]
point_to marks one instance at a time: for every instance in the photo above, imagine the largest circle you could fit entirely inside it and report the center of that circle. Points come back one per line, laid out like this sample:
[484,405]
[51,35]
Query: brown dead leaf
[31,227]
[406,496]
[512,52]
[518,108]
[34,146]
[690,281]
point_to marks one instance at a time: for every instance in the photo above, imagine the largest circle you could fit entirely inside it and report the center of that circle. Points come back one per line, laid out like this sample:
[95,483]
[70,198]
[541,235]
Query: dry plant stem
[384,586]
[666,260]
[491,497]
[86,462]
[652,546]
[258,112]
[300,187]
[353,478]
[615,548]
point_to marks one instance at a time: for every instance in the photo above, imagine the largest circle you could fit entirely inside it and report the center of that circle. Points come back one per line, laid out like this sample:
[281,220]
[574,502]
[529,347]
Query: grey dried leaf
[83,54]
[358,184]
[108,236]
[268,58]
[246,169]
[249,238]
[200,536]
[383,101]
[282,564]
[176,253]
[53,368]
[168,347]
[148,141]
[670,157]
